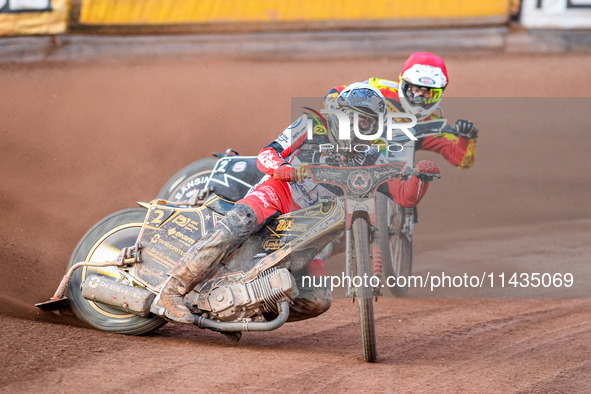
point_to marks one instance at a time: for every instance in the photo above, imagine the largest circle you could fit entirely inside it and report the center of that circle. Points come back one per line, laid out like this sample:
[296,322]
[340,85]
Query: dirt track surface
[81,141]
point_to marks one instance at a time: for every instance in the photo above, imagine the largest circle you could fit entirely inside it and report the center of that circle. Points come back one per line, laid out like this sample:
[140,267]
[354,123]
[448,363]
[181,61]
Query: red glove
[427,167]
[285,173]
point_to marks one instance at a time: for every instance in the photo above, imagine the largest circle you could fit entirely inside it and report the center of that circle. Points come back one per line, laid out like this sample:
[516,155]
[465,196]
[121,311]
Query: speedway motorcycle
[119,267]
[234,175]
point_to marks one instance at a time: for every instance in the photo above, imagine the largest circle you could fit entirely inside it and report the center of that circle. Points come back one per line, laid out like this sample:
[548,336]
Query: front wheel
[365,292]
[395,244]
[101,243]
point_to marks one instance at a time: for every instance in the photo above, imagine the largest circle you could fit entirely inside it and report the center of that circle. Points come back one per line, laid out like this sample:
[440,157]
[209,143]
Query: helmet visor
[422,96]
[367,123]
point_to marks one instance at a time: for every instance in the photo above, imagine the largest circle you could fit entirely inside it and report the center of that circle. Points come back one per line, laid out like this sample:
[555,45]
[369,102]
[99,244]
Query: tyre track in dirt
[511,349]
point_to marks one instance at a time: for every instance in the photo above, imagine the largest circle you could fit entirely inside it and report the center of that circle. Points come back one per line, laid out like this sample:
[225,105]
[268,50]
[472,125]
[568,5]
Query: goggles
[422,96]
[365,122]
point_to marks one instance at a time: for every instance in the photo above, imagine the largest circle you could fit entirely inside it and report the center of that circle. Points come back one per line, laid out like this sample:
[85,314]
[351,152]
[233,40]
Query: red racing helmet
[422,81]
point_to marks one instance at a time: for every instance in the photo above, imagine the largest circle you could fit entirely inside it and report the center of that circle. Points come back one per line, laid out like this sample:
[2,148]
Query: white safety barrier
[556,14]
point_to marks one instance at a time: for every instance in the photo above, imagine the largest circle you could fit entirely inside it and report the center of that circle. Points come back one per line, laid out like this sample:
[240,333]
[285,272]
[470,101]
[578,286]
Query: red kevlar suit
[457,150]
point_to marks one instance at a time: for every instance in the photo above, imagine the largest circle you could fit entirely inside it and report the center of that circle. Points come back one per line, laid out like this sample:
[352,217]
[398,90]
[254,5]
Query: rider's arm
[458,150]
[407,193]
[275,154]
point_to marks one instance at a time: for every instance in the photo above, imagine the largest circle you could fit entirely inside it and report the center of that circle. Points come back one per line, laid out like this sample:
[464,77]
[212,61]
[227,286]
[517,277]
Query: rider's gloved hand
[286,173]
[426,167]
[466,129]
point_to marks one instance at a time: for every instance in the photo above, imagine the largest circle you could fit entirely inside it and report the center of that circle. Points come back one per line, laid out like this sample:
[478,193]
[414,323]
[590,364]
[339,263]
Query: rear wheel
[395,244]
[365,292]
[188,181]
[103,242]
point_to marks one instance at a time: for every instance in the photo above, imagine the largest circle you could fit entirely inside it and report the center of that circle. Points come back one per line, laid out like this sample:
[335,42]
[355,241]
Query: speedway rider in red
[419,91]
[283,190]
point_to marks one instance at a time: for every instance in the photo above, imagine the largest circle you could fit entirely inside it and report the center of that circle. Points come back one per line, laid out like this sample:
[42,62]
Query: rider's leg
[247,216]
[225,238]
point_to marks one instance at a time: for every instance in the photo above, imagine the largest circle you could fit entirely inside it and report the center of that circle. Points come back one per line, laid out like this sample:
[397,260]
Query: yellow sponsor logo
[319,130]
[181,220]
[299,227]
[272,244]
[181,236]
[284,225]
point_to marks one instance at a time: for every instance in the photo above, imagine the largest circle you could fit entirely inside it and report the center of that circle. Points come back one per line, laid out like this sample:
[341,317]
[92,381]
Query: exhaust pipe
[119,296]
[214,325]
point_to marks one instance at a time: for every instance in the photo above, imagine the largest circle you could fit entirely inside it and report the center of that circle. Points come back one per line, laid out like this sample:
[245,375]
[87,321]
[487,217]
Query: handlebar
[302,173]
[412,172]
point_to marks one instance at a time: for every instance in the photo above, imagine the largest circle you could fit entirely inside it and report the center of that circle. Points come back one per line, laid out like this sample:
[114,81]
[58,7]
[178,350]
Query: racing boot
[315,296]
[224,239]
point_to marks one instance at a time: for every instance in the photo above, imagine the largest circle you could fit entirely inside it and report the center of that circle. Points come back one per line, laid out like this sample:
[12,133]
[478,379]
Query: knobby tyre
[395,245]
[364,293]
[103,242]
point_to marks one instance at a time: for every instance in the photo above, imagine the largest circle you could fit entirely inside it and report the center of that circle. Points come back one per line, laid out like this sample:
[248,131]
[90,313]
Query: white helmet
[363,103]
[365,100]
[422,82]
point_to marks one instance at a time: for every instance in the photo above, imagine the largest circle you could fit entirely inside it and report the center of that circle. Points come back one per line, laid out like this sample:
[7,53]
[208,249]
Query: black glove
[466,129]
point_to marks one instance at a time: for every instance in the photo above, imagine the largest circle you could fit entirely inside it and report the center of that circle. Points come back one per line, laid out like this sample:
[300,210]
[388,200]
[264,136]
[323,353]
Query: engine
[239,301]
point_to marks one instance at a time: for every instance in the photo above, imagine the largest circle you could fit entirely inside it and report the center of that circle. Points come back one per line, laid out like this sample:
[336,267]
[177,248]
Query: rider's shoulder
[383,84]
[298,124]
[293,132]
[299,128]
